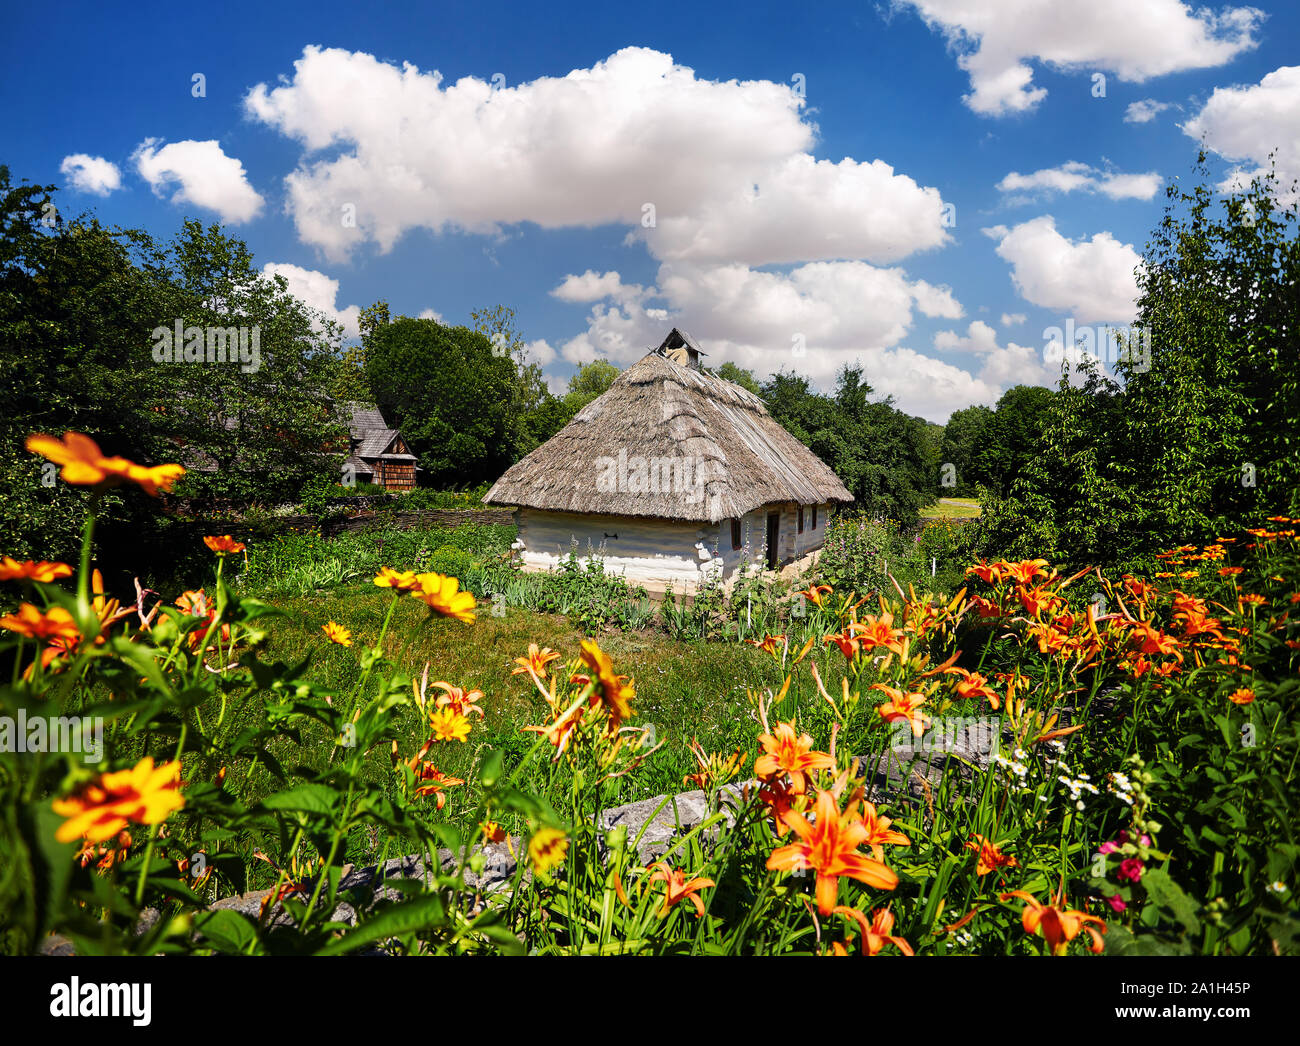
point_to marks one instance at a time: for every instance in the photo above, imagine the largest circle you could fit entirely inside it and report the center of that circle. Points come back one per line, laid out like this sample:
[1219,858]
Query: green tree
[591,380]
[449,392]
[1197,433]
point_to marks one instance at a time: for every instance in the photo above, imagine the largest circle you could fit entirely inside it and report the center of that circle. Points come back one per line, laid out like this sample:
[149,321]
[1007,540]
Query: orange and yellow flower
[829,846]
[903,705]
[991,857]
[1056,924]
[12,570]
[53,624]
[815,594]
[679,887]
[876,933]
[405,581]
[224,544]
[441,594]
[84,464]
[458,699]
[784,751]
[879,631]
[613,691]
[547,849]
[536,661]
[1242,696]
[448,725]
[144,794]
[336,633]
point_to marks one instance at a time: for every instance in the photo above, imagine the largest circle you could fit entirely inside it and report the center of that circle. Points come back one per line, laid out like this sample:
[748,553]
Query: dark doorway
[773,536]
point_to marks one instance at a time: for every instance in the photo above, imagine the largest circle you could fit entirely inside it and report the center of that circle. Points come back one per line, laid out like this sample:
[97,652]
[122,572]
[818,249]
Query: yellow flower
[448,725]
[336,633]
[547,849]
[144,794]
[406,581]
[441,594]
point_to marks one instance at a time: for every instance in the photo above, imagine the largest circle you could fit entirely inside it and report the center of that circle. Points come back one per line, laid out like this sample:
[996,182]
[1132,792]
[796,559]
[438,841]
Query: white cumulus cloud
[1247,123]
[701,170]
[1144,111]
[1075,176]
[203,174]
[1092,279]
[91,174]
[319,291]
[997,42]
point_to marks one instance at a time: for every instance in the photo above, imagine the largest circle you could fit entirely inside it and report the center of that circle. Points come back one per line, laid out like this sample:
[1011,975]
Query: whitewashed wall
[791,545]
[650,552]
[655,552]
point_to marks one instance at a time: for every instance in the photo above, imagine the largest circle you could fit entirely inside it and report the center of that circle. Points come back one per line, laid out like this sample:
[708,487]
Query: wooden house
[378,453]
[671,476]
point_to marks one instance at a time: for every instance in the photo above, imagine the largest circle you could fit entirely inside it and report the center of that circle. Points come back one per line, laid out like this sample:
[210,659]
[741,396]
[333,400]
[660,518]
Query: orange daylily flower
[1055,924]
[679,887]
[903,706]
[459,700]
[336,633]
[877,933]
[846,641]
[433,781]
[791,753]
[1242,696]
[84,464]
[224,544]
[991,857]
[768,644]
[613,691]
[145,794]
[814,593]
[879,631]
[441,594]
[45,572]
[829,846]
[879,834]
[989,573]
[778,796]
[1025,571]
[536,661]
[972,684]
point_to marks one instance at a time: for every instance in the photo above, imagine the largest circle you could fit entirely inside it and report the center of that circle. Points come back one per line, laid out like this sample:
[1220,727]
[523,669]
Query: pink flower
[1116,902]
[1130,869]
[1108,848]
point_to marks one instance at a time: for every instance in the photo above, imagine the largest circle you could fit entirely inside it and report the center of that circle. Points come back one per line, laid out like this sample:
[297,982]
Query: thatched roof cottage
[672,475]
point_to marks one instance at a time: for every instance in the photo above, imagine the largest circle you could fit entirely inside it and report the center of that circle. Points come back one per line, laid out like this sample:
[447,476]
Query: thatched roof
[726,455]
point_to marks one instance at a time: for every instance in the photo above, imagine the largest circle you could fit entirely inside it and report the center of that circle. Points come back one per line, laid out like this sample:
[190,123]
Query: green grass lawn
[952,508]
[684,689]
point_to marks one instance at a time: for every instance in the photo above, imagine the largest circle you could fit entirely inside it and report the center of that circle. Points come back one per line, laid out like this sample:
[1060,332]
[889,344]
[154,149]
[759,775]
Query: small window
[735,534]
[800,519]
[814,519]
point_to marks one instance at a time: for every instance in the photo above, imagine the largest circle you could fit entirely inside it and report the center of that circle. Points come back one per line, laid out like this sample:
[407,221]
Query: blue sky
[922,187]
